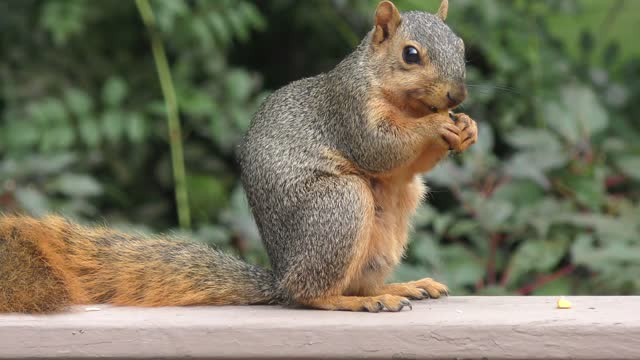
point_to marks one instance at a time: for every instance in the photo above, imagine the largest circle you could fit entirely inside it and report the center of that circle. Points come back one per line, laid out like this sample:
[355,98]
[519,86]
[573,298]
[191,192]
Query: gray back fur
[281,155]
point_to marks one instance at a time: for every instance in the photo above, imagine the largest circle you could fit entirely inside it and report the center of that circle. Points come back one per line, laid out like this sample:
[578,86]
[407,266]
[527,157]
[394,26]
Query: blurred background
[547,202]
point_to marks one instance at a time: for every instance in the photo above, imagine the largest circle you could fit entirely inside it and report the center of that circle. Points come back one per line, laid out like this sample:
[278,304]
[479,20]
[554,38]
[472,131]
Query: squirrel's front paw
[451,134]
[468,134]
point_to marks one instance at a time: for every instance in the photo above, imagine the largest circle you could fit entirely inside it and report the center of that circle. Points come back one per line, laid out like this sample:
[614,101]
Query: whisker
[481,91]
[497,87]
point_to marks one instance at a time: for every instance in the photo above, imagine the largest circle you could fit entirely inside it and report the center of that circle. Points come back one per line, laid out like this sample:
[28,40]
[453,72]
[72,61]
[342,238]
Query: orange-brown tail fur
[49,264]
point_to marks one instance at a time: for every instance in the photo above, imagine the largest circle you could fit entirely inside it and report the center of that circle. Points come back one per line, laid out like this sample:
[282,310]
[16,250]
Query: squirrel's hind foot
[421,289]
[374,304]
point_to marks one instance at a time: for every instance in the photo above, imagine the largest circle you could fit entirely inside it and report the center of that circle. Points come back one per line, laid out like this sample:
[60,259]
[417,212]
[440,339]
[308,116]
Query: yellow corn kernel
[564,303]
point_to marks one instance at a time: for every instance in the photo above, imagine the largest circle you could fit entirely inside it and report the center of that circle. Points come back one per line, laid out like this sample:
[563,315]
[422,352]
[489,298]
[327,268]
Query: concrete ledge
[455,327]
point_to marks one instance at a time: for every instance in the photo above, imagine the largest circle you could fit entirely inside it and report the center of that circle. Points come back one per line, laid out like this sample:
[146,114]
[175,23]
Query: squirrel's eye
[411,55]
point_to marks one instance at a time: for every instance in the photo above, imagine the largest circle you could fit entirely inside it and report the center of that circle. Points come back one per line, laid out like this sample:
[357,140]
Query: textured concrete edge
[598,342]
[459,327]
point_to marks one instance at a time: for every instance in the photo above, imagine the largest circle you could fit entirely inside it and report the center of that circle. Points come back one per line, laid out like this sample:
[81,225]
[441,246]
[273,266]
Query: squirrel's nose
[456,95]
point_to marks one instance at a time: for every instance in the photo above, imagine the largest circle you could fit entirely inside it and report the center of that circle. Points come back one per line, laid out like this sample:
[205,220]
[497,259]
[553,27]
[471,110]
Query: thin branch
[491,262]
[543,280]
[173,119]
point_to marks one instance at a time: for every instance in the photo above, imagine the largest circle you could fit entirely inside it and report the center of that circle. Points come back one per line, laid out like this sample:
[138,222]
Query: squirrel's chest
[387,235]
[395,204]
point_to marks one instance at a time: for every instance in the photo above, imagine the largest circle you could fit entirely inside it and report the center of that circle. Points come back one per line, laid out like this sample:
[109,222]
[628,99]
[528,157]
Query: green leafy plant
[546,202]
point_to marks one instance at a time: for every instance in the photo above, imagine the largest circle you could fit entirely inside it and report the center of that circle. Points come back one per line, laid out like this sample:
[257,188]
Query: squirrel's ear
[387,21]
[443,10]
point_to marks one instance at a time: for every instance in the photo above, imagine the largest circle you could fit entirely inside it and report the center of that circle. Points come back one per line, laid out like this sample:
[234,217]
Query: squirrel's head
[418,60]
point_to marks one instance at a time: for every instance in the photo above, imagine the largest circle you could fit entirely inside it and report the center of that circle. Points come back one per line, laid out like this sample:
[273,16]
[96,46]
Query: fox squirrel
[330,165]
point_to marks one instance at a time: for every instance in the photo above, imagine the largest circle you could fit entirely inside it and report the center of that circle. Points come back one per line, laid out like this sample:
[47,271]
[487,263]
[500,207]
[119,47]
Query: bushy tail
[48,264]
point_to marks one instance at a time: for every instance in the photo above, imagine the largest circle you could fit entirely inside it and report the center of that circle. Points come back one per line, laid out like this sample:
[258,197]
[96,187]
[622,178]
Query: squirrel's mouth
[417,96]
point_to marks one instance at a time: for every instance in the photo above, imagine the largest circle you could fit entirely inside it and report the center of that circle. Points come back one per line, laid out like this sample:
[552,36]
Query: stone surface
[454,327]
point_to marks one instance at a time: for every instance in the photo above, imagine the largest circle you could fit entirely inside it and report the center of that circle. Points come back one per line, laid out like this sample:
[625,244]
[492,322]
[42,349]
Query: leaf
[201,30]
[240,29]
[492,213]
[608,228]
[240,218]
[49,165]
[78,185]
[587,109]
[463,227]
[220,28]
[32,200]
[252,14]
[630,166]
[208,195]
[448,174]
[113,125]
[578,115]
[54,110]
[78,205]
[212,234]
[519,192]
[610,54]
[136,127]
[588,191]
[78,102]
[424,215]
[197,103]
[241,117]
[461,268]
[62,136]
[557,287]
[521,167]
[222,133]
[536,255]
[167,12]
[21,134]
[441,223]
[239,85]
[559,119]
[603,258]
[63,19]
[425,249]
[114,91]
[541,152]
[545,213]
[536,139]
[89,131]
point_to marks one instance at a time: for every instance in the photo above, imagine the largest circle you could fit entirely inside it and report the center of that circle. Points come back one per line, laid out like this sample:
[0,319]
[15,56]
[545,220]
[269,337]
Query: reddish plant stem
[489,185]
[505,276]
[542,280]
[491,262]
[614,180]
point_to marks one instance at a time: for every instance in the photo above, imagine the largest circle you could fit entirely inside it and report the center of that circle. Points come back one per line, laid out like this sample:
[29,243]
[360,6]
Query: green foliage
[546,202]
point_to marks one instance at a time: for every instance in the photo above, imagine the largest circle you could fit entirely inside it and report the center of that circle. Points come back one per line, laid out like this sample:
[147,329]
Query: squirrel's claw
[425,294]
[389,302]
[406,302]
[380,306]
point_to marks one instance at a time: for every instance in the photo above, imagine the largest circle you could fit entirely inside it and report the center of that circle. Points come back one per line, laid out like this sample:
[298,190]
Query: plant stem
[173,119]
[491,262]
[546,279]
